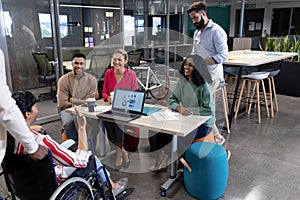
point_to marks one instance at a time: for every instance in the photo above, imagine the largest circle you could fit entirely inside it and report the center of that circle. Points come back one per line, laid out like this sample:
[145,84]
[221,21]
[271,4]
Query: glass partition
[28,28]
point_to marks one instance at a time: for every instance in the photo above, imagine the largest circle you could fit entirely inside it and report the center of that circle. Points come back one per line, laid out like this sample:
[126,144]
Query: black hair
[79,55]
[196,75]
[197,6]
[24,100]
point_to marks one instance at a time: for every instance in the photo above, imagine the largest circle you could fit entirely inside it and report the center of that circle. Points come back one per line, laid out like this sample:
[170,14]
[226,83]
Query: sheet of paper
[166,115]
[100,108]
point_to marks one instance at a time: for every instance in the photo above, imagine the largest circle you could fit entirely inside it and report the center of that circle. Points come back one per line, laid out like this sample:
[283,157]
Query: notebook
[127,105]
[148,110]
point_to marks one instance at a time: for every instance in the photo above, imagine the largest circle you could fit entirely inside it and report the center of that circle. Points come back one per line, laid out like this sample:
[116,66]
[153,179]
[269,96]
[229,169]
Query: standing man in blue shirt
[209,42]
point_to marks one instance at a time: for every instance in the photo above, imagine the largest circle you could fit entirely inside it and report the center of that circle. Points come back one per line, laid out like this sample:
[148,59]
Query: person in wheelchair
[66,161]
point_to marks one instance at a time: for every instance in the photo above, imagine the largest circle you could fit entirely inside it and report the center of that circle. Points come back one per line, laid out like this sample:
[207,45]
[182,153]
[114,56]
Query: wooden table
[241,58]
[182,126]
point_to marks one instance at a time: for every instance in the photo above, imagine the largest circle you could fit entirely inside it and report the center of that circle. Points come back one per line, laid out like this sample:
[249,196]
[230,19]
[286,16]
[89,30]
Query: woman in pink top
[118,77]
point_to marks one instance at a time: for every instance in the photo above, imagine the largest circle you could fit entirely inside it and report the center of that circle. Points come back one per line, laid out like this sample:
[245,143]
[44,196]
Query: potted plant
[287,80]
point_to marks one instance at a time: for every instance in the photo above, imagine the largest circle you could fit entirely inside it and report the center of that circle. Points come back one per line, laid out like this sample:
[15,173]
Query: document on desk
[166,115]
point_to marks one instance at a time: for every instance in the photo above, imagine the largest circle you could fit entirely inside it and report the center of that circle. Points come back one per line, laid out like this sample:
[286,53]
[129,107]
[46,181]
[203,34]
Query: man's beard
[199,25]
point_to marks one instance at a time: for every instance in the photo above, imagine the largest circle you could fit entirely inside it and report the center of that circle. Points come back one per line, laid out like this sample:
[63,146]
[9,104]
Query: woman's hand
[109,100]
[81,120]
[184,111]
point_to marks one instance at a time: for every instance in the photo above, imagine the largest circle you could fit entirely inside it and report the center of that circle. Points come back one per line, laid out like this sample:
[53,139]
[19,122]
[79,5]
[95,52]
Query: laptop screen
[128,100]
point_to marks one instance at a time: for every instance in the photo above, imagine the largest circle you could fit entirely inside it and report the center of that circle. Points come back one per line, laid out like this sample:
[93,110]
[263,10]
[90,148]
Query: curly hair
[197,78]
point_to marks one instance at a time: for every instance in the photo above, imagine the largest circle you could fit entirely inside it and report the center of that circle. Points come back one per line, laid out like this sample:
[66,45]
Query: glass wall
[28,26]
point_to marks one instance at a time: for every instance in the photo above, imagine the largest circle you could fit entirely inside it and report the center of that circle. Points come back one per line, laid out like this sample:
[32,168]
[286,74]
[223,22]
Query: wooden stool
[222,89]
[256,78]
[272,90]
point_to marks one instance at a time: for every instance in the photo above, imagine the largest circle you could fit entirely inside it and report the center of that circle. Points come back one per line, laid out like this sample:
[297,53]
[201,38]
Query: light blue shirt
[212,43]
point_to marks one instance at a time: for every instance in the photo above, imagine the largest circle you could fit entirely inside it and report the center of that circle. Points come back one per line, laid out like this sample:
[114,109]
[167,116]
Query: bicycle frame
[149,72]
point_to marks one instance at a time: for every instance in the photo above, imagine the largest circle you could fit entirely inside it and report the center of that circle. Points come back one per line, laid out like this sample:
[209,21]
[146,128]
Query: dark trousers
[115,133]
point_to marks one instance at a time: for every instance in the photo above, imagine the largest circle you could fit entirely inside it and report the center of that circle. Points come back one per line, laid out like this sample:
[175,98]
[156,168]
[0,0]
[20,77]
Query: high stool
[222,88]
[272,89]
[209,175]
[256,78]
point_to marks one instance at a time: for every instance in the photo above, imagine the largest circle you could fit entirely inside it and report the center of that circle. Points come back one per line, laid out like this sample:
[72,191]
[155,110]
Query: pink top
[110,83]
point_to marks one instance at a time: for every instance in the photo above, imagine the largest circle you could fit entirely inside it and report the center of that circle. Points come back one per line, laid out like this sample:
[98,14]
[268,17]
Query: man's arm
[63,99]
[92,92]
[220,43]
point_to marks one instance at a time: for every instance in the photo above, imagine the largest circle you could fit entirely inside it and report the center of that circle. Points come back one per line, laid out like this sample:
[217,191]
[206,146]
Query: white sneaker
[219,139]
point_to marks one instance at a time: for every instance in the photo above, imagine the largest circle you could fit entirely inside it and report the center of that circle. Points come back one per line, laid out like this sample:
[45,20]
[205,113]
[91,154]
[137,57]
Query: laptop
[127,105]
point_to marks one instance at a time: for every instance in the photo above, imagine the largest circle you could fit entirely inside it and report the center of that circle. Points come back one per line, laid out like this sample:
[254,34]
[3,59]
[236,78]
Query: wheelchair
[28,179]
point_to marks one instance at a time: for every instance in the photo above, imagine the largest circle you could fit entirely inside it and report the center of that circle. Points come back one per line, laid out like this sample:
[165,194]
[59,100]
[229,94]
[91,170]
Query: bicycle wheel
[159,77]
[73,189]
[5,187]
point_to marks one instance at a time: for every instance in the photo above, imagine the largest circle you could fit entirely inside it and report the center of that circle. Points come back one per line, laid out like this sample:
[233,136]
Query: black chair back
[46,73]
[134,58]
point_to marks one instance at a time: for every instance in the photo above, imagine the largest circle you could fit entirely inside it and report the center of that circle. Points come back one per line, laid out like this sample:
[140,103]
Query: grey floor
[265,161]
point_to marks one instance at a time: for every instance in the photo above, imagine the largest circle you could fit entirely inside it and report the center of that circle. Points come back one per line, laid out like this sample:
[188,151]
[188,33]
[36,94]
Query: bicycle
[155,81]
[4,191]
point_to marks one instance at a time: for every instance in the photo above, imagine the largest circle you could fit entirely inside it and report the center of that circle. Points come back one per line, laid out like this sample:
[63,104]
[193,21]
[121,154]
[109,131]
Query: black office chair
[99,63]
[134,58]
[46,74]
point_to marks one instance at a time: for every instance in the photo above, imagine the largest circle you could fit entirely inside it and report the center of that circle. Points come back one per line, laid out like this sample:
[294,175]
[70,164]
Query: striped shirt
[61,155]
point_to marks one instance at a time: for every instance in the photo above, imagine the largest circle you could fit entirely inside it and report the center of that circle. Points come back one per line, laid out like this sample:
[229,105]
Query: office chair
[134,58]
[99,63]
[46,73]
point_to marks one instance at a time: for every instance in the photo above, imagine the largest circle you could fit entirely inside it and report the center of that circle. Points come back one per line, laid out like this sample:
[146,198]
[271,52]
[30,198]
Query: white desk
[241,58]
[255,58]
[179,127]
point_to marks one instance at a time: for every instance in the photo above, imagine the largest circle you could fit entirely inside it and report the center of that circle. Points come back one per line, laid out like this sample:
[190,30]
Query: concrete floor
[265,161]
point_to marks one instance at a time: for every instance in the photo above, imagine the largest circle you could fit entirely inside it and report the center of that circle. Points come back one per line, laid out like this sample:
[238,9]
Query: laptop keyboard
[120,115]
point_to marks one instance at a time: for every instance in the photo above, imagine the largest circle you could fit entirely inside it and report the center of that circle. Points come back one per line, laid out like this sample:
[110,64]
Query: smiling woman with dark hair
[191,96]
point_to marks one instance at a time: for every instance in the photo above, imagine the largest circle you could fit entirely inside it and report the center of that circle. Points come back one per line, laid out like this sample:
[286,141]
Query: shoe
[126,164]
[219,139]
[123,182]
[118,167]
[118,160]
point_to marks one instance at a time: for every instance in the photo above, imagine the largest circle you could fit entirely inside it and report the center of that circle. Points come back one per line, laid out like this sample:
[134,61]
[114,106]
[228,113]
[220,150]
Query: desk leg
[102,139]
[174,172]
[235,96]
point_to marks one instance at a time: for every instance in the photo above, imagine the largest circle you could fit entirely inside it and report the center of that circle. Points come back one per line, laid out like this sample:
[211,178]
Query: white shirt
[212,43]
[11,118]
